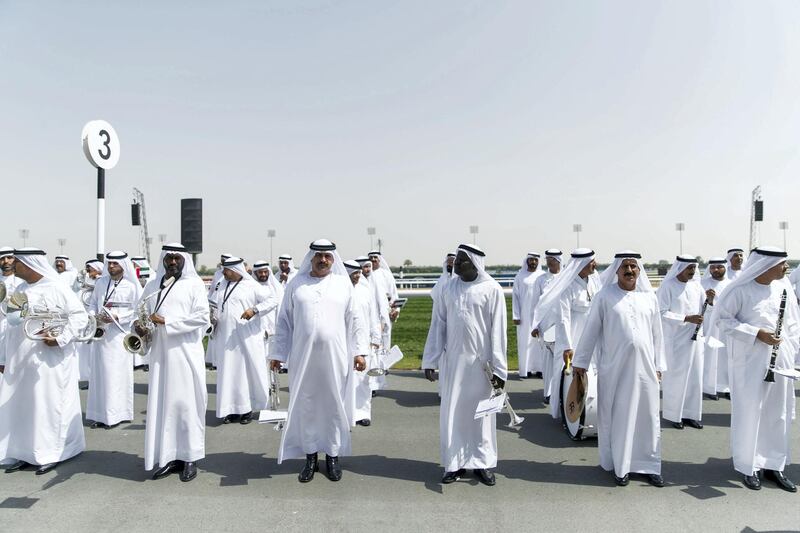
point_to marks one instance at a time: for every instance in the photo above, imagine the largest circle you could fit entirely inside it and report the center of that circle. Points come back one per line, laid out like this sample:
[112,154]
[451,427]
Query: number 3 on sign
[100,144]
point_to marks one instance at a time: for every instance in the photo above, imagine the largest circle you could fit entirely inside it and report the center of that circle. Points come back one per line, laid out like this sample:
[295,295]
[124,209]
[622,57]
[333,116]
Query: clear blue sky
[321,118]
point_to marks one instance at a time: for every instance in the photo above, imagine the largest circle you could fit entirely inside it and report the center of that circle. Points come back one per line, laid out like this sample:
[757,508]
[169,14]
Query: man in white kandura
[383,279]
[262,273]
[10,281]
[715,365]
[84,286]
[542,349]
[40,405]
[522,310]
[176,403]
[113,303]
[566,305]
[680,298]
[242,376]
[374,284]
[735,259]
[436,294]
[362,410]
[470,336]
[286,269]
[215,343]
[624,333]
[761,411]
[321,353]
[66,271]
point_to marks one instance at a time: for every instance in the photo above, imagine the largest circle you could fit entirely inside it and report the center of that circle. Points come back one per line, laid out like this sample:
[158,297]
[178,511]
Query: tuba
[140,344]
[85,288]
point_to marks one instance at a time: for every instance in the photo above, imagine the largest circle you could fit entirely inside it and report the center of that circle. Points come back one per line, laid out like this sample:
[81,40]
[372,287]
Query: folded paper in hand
[491,405]
[268,416]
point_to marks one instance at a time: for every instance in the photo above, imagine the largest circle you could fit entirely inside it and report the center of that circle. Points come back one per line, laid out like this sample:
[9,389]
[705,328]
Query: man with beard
[40,406]
[436,296]
[522,311]
[321,355]
[383,309]
[761,411]
[715,366]
[11,283]
[623,332]
[66,271]
[566,306]
[113,302]
[680,299]
[470,338]
[286,269]
[215,343]
[177,303]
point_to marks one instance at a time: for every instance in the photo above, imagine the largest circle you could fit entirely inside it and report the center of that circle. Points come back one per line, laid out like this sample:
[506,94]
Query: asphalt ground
[545,481]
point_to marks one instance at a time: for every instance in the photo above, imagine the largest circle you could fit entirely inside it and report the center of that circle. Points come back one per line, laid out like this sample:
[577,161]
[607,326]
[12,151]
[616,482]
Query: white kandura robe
[573,312]
[110,396]
[242,374]
[430,340]
[11,282]
[381,303]
[177,397]
[761,412]
[361,390]
[682,384]
[269,319]
[214,343]
[317,324]
[470,331]
[522,310]
[40,405]
[623,331]
[715,364]
[540,356]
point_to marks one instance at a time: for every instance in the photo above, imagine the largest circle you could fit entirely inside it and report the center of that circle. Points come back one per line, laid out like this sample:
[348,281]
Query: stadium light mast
[474,231]
[680,227]
[756,215]
[577,228]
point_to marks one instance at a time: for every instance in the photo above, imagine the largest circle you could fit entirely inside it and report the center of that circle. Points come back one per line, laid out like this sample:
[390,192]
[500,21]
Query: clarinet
[697,328]
[770,377]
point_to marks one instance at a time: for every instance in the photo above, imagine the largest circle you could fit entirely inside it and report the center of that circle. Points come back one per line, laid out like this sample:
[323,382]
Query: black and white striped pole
[101,148]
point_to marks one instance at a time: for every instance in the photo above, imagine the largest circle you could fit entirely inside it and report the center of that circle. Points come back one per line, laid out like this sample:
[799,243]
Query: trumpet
[41,324]
[140,344]
[274,400]
[516,420]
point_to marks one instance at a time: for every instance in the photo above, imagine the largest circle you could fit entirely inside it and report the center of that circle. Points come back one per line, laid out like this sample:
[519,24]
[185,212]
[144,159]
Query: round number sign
[100,144]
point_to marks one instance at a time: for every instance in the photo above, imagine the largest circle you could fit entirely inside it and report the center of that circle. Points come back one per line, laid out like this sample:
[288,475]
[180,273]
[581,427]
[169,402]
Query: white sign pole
[101,148]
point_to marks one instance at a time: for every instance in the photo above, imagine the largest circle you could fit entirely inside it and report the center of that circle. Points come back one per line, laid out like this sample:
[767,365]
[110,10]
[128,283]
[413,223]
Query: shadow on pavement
[238,468]
[411,398]
[543,430]
[118,465]
[394,468]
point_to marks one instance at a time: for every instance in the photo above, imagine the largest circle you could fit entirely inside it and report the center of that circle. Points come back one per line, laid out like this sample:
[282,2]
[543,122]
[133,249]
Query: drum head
[576,398]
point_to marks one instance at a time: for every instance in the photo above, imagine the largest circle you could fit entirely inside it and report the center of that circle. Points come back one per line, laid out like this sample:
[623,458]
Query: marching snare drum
[579,404]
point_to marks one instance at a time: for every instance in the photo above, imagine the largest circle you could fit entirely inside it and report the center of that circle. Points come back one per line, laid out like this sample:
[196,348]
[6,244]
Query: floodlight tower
[756,215]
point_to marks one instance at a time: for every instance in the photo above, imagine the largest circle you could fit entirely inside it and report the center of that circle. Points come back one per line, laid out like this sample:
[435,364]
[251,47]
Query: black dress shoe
[373,394]
[230,418]
[485,476]
[622,481]
[726,395]
[43,469]
[364,422]
[307,473]
[19,465]
[146,368]
[530,375]
[677,425]
[696,424]
[752,482]
[189,471]
[711,396]
[537,375]
[655,479]
[780,480]
[547,400]
[246,418]
[333,467]
[167,469]
[96,425]
[451,477]
[83,385]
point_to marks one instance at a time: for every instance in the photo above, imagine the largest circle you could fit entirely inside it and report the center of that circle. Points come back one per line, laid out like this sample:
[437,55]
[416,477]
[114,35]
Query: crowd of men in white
[329,320]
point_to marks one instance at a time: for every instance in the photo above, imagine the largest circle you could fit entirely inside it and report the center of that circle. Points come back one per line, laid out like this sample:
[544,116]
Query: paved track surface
[545,482]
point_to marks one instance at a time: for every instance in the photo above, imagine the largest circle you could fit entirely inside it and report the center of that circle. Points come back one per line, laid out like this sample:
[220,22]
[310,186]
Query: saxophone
[140,344]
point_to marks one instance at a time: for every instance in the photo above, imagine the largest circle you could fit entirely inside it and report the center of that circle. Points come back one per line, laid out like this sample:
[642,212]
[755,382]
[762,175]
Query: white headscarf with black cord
[322,246]
[477,258]
[188,266]
[609,275]
[548,302]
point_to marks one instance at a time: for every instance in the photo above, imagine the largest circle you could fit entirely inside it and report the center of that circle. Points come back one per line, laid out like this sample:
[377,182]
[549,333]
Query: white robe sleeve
[374,324]
[78,318]
[196,318]
[437,335]
[563,323]
[664,301]
[266,300]
[592,335]
[656,330]
[284,328]
[729,325]
[515,300]
[498,335]
[357,329]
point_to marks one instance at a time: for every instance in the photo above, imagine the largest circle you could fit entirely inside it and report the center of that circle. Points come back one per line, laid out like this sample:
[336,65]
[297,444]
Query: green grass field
[411,330]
